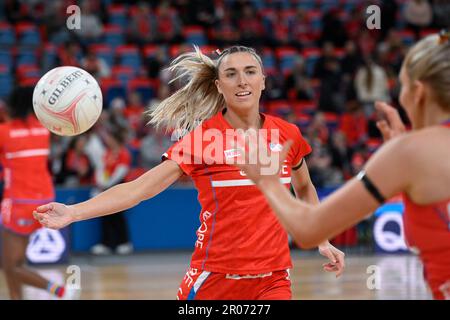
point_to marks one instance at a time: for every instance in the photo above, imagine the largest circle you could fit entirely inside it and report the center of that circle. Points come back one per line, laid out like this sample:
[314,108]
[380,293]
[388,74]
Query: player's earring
[444,36]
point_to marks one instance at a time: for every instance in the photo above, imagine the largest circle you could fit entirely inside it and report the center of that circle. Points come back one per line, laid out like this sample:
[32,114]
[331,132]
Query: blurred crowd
[324,69]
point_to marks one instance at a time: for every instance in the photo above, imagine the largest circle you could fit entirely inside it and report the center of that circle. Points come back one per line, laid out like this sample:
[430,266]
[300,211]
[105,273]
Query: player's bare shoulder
[433,138]
[428,145]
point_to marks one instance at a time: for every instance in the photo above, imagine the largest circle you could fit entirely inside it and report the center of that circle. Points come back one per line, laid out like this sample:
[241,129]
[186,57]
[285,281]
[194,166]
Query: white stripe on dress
[242,182]
[27,153]
[201,278]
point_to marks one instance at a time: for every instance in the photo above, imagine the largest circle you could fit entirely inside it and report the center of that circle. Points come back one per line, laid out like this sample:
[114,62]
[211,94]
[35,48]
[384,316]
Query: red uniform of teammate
[427,229]
[24,149]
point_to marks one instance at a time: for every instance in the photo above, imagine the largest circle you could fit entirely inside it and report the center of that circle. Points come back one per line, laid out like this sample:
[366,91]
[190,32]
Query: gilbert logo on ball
[67,100]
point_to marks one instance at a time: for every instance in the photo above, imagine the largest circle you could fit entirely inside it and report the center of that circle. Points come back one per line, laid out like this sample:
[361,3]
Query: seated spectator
[323,174]
[354,23]
[68,54]
[116,114]
[274,87]
[318,129]
[300,29]
[278,30]
[155,63]
[441,12]
[389,9]
[168,24]
[353,124]
[153,145]
[351,60]
[58,152]
[225,31]
[116,162]
[96,66]
[366,42]
[4,116]
[91,27]
[251,28]
[328,56]
[77,165]
[391,53]
[134,110]
[341,154]
[371,84]
[418,14]
[359,158]
[297,84]
[55,19]
[332,88]
[142,27]
[333,29]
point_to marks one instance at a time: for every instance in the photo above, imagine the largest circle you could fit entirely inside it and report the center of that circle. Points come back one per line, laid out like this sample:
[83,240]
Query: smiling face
[240,81]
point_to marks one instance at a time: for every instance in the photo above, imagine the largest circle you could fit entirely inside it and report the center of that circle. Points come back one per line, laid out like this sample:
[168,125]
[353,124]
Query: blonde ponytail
[196,101]
[429,61]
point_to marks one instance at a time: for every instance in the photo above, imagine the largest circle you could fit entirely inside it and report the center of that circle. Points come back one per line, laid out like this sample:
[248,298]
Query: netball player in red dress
[242,251]
[415,164]
[24,149]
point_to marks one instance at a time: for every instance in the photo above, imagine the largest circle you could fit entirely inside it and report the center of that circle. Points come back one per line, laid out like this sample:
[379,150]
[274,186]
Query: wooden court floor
[158,275]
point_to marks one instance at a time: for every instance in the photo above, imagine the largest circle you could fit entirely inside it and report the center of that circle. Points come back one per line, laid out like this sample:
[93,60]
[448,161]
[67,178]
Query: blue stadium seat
[279,107]
[407,37]
[7,35]
[123,73]
[26,71]
[112,88]
[269,61]
[113,35]
[49,56]
[145,87]
[129,56]
[286,57]
[327,5]
[303,121]
[195,35]
[315,17]
[304,107]
[331,120]
[6,58]
[104,52]
[118,15]
[306,4]
[6,82]
[26,56]
[311,55]
[28,34]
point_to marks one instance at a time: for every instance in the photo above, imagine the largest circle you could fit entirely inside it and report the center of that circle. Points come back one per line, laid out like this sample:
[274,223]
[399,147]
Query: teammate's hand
[255,157]
[54,215]
[392,126]
[336,257]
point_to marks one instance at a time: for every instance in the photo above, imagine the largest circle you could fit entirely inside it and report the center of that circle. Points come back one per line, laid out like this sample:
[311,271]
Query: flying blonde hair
[198,99]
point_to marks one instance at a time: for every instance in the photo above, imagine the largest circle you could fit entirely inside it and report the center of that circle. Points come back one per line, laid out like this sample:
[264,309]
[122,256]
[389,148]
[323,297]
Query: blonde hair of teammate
[198,99]
[428,61]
